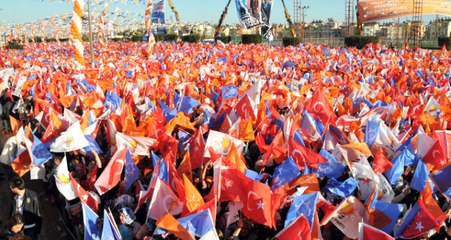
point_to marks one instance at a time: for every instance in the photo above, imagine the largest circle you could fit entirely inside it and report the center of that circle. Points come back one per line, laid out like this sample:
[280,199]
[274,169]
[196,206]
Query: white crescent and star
[315,107]
[249,194]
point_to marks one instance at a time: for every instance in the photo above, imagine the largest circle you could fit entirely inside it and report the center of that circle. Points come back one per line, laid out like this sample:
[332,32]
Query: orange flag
[15,124]
[192,197]
[310,181]
[185,167]
[171,224]
[236,159]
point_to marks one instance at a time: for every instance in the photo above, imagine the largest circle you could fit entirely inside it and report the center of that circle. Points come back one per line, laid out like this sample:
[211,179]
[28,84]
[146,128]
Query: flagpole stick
[90,33]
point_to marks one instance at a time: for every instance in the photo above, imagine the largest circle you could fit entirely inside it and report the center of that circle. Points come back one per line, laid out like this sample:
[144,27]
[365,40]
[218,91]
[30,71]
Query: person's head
[16,223]
[57,160]
[17,186]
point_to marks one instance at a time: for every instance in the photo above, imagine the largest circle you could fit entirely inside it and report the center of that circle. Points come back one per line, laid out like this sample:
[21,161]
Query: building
[438,28]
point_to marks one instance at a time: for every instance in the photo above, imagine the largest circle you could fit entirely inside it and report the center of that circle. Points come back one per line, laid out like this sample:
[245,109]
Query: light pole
[90,33]
[304,9]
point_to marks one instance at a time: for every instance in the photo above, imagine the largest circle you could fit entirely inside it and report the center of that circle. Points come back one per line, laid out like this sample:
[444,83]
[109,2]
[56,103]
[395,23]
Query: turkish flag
[111,176]
[255,196]
[84,196]
[304,156]
[244,108]
[320,108]
[297,230]
[231,185]
[257,204]
[435,156]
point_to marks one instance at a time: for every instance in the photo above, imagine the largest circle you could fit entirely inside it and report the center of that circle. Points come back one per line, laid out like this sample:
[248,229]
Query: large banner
[266,13]
[374,10]
[249,12]
[158,12]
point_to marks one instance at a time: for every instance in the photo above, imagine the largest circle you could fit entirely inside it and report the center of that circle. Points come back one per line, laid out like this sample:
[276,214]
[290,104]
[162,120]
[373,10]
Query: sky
[20,11]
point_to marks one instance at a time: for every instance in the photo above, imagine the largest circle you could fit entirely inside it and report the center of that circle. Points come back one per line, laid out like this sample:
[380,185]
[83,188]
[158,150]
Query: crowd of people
[258,141]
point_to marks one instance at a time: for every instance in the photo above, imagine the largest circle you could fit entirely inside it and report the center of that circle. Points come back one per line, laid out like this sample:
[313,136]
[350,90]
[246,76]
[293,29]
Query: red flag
[92,177]
[84,196]
[197,147]
[111,175]
[435,156]
[22,163]
[304,156]
[244,108]
[296,230]
[257,204]
[320,108]
[366,232]
[428,215]
[381,164]
[256,196]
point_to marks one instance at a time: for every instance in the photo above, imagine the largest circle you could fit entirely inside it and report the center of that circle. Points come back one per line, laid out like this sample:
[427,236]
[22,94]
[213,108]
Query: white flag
[63,182]
[70,140]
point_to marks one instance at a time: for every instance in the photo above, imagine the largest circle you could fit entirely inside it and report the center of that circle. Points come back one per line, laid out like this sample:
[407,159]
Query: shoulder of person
[31,193]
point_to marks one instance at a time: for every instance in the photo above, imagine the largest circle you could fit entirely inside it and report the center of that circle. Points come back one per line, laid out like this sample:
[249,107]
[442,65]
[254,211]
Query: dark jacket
[31,210]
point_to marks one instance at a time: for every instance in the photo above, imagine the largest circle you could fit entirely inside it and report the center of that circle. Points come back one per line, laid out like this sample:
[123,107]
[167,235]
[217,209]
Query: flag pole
[90,33]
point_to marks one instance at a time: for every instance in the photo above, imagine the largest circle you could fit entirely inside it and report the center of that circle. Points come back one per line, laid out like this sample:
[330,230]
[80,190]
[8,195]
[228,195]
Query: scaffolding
[297,11]
[415,28]
[349,17]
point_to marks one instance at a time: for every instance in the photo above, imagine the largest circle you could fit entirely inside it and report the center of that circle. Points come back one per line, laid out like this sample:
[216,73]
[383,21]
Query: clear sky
[19,11]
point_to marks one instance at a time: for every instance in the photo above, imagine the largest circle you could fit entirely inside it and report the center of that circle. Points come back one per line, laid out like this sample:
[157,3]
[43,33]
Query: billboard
[374,10]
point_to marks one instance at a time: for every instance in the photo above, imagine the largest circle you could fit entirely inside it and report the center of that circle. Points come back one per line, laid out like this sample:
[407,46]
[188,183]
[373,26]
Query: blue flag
[183,139]
[391,210]
[253,175]
[397,170]
[442,181]
[284,173]
[371,131]
[164,171]
[342,189]
[112,101]
[326,52]
[176,98]
[39,151]
[92,145]
[332,168]
[229,92]
[90,219]
[131,171]
[304,204]
[109,230]
[187,104]
[420,177]
[168,113]
[298,137]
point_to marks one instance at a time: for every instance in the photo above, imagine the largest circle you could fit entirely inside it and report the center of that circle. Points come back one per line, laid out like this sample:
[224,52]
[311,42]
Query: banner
[249,12]
[158,12]
[373,10]
[266,13]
